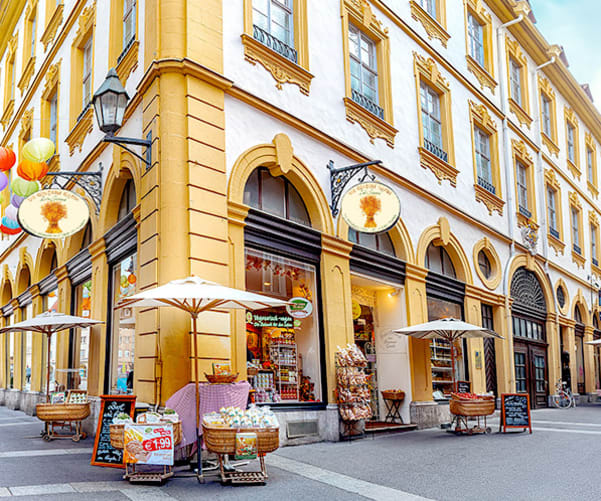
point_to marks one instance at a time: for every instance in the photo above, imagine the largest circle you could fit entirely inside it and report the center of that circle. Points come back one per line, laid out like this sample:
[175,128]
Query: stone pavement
[560,460]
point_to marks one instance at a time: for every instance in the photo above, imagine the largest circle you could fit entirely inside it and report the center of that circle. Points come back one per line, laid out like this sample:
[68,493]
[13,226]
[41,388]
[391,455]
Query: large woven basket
[223,440]
[62,412]
[118,431]
[221,378]
[475,407]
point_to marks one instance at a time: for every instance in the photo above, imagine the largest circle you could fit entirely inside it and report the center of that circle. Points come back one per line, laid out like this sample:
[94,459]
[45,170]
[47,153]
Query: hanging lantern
[9,227]
[16,200]
[3,181]
[7,158]
[32,171]
[11,212]
[24,188]
[38,150]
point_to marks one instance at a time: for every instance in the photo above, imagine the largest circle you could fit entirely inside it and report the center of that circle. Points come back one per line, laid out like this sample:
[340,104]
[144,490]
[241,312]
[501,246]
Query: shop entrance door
[531,372]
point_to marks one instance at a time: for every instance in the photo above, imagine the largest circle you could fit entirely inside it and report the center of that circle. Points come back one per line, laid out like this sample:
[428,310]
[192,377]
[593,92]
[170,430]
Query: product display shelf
[284,356]
[441,366]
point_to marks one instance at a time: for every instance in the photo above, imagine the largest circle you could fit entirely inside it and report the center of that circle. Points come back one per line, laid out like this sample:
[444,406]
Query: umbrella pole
[198,441]
[48,368]
[453,366]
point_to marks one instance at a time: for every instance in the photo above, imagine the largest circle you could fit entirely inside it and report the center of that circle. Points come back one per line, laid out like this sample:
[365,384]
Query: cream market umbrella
[48,323]
[449,329]
[594,341]
[195,295]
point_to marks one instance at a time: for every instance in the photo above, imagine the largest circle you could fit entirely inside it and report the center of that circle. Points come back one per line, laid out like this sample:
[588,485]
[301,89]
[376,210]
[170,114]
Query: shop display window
[10,349]
[80,339]
[123,339]
[50,304]
[283,346]
[27,340]
[363,327]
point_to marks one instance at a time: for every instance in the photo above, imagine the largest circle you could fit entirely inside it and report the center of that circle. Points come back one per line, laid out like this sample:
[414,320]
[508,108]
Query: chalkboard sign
[104,454]
[464,387]
[515,411]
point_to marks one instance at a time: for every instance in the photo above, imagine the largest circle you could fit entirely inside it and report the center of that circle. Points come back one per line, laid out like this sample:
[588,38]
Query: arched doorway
[597,335]
[579,340]
[529,313]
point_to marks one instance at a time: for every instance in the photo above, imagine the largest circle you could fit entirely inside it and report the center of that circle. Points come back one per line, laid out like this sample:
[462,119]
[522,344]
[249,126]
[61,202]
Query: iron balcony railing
[576,249]
[486,185]
[436,150]
[554,232]
[595,262]
[274,44]
[524,212]
[367,103]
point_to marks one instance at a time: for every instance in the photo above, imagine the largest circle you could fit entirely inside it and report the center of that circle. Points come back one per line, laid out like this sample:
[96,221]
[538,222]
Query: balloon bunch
[30,170]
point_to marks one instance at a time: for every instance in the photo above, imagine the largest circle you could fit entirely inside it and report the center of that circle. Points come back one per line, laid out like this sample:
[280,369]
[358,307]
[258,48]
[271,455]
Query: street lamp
[110,101]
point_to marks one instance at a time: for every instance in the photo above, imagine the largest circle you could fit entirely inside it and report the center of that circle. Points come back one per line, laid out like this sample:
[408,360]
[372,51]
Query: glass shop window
[10,348]
[124,327]
[50,304]
[283,350]
[27,349]
[80,345]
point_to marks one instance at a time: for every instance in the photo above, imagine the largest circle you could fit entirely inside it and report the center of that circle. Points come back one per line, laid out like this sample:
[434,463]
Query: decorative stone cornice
[375,127]
[520,149]
[484,77]
[363,11]
[86,21]
[52,77]
[557,245]
[97,248]
[578,259]
[520,113]
[441,169]
[128,61]
[52,27]
[492,201]
[335,245]
[428,68]
[550,144]
[551,179]
[26,122]
[574,200]
[433,28]
[82,128]
[8,113]
[26,75]
[480,113]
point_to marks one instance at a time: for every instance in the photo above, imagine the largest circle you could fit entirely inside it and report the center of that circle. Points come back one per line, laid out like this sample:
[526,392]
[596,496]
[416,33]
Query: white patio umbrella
[449,329]
[594,341]
[48,323]
[195,295]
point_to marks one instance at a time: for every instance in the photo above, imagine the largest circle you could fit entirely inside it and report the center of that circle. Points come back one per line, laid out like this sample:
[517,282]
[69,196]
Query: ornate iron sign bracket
[339,178]
[90,182]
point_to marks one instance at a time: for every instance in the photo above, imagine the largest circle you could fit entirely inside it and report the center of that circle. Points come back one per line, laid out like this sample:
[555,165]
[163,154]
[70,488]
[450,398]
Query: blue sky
[574,24]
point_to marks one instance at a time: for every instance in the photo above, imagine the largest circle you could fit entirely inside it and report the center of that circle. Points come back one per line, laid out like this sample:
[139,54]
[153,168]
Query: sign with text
[515,411]
[279,321]
[464,387]
[370,207]
[104,454]
[148,444]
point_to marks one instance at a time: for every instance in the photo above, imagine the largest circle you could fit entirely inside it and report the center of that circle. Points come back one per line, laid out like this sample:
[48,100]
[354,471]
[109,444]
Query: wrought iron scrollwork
[89,182]
[339,178]
[526,290]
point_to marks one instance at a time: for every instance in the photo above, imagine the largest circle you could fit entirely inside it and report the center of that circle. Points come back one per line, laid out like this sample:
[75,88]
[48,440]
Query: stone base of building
[298,427]
[429,414]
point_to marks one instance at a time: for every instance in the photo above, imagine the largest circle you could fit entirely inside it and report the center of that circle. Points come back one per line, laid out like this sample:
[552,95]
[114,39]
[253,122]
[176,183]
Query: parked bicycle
[563,398]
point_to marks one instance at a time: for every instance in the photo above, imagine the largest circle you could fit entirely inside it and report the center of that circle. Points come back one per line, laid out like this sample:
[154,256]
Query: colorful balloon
[38,150]
[24,188]
[3,181]
[16,200]
[11,212]
[7,158]
[9,227]
[10,223]
[32,171]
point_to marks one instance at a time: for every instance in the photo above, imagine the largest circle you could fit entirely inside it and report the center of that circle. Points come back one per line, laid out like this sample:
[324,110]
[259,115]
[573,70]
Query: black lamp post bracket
[339,178]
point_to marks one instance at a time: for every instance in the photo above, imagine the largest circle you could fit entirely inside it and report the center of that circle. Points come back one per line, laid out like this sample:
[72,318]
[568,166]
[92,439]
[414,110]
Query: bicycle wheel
[563,400]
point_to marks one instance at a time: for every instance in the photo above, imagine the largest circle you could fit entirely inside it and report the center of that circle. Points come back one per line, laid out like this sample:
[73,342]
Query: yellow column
[553,351]
[38,349]
[569,345]
[589,360]
[419,350]
[100,286]
[503,350]
[19,355]
[3,356]
[62,338]
[336,302]
[473,315]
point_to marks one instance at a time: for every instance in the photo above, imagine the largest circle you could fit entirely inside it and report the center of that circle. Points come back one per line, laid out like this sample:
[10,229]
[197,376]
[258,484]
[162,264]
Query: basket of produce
[221,378]
[469,404]
[393,394]
[62,412]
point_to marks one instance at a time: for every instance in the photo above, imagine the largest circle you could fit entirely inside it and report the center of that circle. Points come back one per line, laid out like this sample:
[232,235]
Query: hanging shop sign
[277,320]
[299,307]
[370,207]
[356,310]
[53,213]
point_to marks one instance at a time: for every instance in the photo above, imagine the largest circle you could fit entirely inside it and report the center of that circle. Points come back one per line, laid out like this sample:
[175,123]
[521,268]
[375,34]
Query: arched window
[86,239]
[54,262]
[596,321]
[275,195]
[380,242]
[128,199]
[577,315]
[439,261]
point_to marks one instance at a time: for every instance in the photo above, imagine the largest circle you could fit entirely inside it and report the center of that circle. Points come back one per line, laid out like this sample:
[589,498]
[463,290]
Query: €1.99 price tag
[148,444]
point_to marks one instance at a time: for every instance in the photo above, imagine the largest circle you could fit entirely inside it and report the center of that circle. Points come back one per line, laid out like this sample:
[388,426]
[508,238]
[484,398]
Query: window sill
[441,169]
[556,243]
[526,221]
[282,69]
[578,259]
[433,28]
[127,62]
[594,191]
[483,76]
[550,144]
[26,75]
[520,113]
[596,270]
[492,201]
[573,168]
[81,129]
[8,113]
[52,27]
[374,126]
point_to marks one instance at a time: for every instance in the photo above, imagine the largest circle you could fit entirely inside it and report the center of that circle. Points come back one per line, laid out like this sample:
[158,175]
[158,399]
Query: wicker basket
[474,407]
[62,412]
[221,378]
[223,440]
[118,432]
[393,394]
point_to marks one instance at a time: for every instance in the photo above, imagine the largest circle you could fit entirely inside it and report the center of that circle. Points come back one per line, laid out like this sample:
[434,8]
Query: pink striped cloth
[212,398]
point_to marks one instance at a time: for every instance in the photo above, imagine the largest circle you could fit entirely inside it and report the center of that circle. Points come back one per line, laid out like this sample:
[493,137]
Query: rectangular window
[52,135]
[364,74]
[546,112]
[522,182]
[274,17]
[575,229]
[431,120]
[50,304]
[80,339]
[87,74]
[483,164]
[589,165]
[129,22]
[429,6]
[287,343]
[27,340]
[476,39]
[552,212]
[32,36]
[123,338]
[515,78]
[570,133]
[594,245]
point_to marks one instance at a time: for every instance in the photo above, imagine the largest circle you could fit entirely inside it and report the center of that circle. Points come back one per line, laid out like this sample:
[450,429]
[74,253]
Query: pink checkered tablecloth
[212,398]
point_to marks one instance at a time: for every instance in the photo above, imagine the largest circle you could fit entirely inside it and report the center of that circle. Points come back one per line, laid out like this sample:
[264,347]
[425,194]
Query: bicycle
[563,398]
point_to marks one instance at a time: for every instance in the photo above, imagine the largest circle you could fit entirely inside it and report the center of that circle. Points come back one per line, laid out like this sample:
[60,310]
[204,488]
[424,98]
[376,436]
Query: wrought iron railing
[436,150]
[577,249]
[524,212]
[126,49]
[486,185]
[554,232]
[275,44]
[367,103]
[595,262]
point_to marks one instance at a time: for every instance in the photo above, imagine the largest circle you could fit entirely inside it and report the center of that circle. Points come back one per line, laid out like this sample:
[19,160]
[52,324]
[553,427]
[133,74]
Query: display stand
[135,476]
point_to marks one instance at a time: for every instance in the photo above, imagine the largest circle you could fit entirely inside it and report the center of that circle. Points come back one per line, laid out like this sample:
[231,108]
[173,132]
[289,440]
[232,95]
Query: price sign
[148,444]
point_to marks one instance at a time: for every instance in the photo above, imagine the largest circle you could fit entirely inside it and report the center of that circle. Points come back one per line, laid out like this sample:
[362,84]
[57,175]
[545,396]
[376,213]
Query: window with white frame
[431,119]
[483,165]
[546,112]
[575,229]
[522,182]
[515,78]
[552,210]
[476,38]
[589,165]
[364,73]
[87,73]
[570,131]
[274,17]
[429,6]
[129,22]
[53,117]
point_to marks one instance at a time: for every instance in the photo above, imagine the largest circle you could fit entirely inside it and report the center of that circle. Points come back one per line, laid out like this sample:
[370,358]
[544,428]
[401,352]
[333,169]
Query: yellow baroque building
[480,129]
